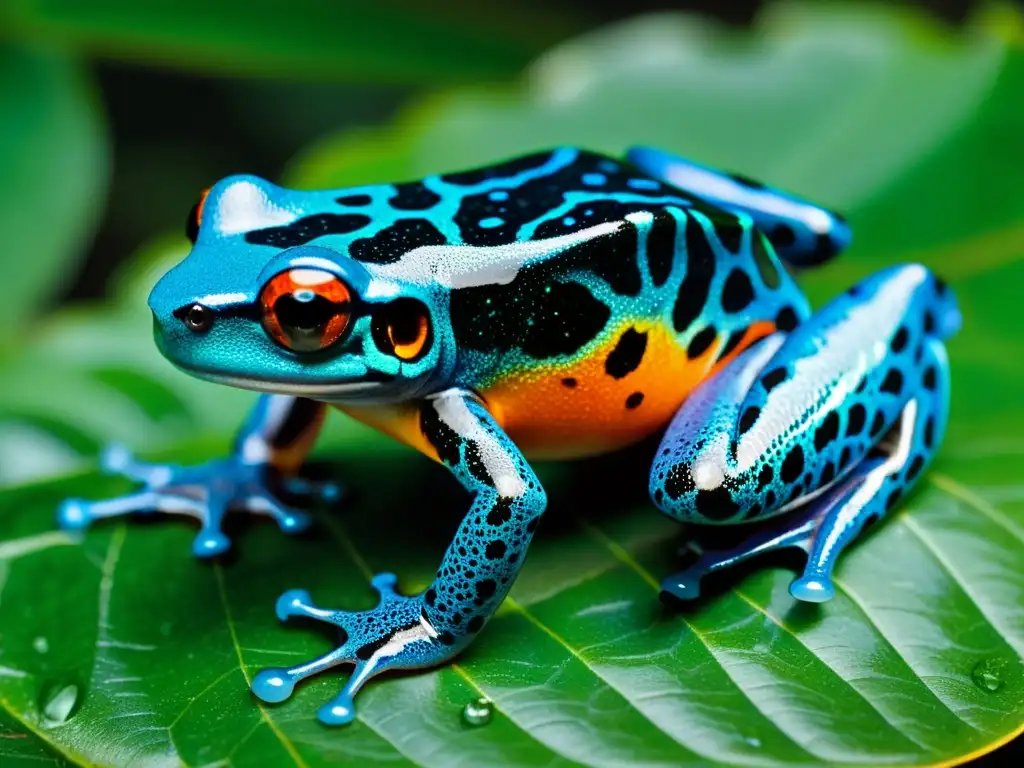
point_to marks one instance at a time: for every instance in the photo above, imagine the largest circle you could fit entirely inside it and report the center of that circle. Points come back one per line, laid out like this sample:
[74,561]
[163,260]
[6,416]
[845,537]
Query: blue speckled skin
[561,304]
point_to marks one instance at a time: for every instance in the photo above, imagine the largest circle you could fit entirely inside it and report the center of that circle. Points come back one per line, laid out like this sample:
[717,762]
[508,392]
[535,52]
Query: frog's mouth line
[371,382]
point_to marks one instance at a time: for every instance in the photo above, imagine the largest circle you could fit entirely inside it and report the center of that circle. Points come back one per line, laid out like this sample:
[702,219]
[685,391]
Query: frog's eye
[305,310]
[402,329]
[195,218]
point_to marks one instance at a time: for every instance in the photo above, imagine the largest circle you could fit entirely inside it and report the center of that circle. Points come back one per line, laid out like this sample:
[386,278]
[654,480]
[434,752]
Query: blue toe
[337,712]
[810,590]
[272,685]
[73,515]
[210,544]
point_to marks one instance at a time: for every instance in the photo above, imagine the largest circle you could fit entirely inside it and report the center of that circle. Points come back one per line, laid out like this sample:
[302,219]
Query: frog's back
[641,291]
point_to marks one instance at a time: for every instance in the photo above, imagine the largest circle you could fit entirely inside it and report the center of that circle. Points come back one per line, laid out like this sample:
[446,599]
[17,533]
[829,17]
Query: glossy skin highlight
[558,305]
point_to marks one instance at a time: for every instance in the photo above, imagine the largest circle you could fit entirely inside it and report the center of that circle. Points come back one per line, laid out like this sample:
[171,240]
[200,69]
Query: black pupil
[198,317]
[304,311]
[405,326]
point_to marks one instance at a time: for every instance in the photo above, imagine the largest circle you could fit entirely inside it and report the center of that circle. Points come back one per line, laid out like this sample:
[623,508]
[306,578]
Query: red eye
[305,310]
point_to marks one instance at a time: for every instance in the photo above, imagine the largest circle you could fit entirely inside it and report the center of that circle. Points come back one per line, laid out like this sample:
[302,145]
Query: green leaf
[398,40]
[138,653]
[53,162]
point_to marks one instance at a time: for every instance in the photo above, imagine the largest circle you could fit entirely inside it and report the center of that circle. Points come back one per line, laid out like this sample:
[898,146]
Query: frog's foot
[206,492]
[394,635]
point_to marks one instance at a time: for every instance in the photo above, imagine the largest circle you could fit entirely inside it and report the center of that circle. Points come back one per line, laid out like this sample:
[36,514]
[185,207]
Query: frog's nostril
[196,317]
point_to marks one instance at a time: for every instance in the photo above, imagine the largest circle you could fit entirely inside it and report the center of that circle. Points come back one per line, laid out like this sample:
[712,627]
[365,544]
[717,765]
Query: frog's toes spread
[831,424]
[394,635]
[209,491]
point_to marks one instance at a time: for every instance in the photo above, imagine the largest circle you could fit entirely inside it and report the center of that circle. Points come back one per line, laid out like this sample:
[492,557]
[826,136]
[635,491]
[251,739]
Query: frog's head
[306,320]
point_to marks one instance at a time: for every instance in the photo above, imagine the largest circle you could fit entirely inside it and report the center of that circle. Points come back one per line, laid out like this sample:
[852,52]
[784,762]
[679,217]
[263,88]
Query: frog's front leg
[269,450]
[479,566]
[826,428]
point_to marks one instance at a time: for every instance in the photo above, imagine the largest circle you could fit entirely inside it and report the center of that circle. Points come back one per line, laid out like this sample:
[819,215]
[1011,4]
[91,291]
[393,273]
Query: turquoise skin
[557,305]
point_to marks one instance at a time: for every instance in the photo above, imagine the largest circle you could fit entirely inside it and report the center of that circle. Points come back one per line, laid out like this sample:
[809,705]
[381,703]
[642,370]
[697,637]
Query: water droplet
[478,711]
[987,674]
[59,703]
[41,645]
[754,742]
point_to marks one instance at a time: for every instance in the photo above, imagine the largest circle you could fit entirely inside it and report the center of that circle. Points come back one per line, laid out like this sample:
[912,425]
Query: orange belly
[571,410]
[578,409]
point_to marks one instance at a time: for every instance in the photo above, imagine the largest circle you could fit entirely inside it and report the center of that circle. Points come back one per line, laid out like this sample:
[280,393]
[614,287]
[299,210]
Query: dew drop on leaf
[987,675]
[59,703]
[41,645]
[477,711]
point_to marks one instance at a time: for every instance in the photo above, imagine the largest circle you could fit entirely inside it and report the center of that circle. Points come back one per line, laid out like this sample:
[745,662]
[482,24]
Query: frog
[558,305]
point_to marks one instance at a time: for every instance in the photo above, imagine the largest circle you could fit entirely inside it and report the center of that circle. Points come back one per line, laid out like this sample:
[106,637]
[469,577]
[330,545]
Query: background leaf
[53,162]
[392,40]
[917,661]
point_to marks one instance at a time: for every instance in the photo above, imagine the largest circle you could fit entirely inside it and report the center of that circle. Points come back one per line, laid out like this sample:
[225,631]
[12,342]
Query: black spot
[893,499]
[765,261]
[717,504]
[500,171]
[773,378]
[532,525]
[769,500]
[627,355]
[700,343]
[862,386]
[501,512]
[569,382]
[930,378]
[192,224]
[844,458]
[732,342]
[445,440]
[302,414]
[929,322]
[476,465]
[659,495]
[475,624]
[414,196]
[915,468]
[634,400]
[782,235]
[661,247]
[388,245]
[307,228]
[431,596]
[541,317]
[765,476]
[877,424]
[700,270]
[738,291]
[611,256]
[899,341]
[893,383]
[355,200]
[929,432]
[748,418]
[729,231]
[786,320]
[941,286]
[793,465]
[828,473]
[485,589]
[827,432]
[679,481]
[856,419]
[446,638]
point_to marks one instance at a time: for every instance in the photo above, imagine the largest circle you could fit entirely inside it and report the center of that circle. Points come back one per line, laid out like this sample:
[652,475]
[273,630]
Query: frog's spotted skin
[558,305]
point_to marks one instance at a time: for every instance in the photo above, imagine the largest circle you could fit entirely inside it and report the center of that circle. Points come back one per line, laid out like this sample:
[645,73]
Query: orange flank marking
[578,409]
[401,422]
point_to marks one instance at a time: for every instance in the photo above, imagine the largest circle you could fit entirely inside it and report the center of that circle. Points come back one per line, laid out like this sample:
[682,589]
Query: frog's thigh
[806,423]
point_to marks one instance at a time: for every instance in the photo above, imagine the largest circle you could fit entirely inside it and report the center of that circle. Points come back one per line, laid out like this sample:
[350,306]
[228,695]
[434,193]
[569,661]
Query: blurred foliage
[121,648]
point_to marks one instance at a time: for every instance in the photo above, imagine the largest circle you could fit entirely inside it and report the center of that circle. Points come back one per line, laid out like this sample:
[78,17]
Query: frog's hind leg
[802,233]
[829,425]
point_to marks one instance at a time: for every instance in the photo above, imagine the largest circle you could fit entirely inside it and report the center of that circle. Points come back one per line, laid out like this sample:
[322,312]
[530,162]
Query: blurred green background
[909,117]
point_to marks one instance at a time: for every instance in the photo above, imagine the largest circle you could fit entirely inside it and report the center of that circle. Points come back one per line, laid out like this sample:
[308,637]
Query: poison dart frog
[554,306]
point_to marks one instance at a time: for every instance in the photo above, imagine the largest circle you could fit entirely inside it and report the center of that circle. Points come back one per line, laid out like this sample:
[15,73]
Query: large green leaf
[447,41]
[53,167]
[121,648]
